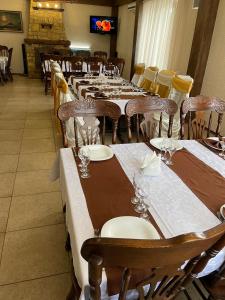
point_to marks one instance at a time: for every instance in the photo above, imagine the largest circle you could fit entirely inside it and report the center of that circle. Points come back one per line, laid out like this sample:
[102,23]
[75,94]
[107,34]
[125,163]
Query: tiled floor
[33,261]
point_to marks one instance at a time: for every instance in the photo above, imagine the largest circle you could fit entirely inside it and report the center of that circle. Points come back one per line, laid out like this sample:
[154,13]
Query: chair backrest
[118,62]
[46,61]
[164,82]
[73,65]
[147,80]
[89,109]
[9,58]
[194,109]
[150,105]
[101,54]
[4,51]
[160,259]
[83,53]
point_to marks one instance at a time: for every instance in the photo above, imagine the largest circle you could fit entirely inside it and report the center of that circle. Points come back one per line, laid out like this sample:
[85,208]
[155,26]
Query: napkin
[152,164]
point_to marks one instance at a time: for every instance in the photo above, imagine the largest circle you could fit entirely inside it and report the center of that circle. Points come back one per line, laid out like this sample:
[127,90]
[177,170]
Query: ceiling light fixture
[43,5]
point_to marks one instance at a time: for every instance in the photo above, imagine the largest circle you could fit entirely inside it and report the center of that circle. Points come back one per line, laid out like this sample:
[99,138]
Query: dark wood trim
[47,42]
[137,11]
[90,2]
[201,43]
[122,2]
[113,37]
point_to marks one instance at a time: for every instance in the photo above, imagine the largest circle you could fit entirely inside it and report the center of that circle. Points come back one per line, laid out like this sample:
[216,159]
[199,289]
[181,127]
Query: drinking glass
[84,155]
[80,155]
[136,178]
[171,149]
[222,144]
[163,149]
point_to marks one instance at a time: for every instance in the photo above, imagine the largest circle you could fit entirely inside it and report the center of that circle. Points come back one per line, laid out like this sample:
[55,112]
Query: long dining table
[183,198]
[85,87]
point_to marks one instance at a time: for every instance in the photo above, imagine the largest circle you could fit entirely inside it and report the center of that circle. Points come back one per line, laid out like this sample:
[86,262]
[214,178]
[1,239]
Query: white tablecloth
[166,204]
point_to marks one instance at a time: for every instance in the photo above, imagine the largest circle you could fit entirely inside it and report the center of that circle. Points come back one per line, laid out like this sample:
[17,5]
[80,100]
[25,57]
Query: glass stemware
[222,144]
[171,149]
[84,155]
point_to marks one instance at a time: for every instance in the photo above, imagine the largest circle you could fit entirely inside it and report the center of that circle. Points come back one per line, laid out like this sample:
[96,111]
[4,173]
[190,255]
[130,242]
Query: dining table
[111,88]
[184,197]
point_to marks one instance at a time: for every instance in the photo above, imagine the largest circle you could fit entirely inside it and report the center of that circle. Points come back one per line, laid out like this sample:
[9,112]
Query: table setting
[167,183]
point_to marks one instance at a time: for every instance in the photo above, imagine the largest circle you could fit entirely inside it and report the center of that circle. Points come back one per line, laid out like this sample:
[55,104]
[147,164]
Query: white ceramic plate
[99,152]
[130,228]
[156,142]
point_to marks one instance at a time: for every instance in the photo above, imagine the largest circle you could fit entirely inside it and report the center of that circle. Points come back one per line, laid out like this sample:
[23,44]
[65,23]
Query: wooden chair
[160,261]
[83,53]
[118,62]
[101,54]
[46,65]
[8,73]
[89,110]
[148,106]
[4,50]
[193,110]
[74,66]
[94,65]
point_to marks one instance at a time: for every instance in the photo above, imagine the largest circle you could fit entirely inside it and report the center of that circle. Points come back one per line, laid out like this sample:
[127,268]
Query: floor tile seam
[33,279]
[34,227]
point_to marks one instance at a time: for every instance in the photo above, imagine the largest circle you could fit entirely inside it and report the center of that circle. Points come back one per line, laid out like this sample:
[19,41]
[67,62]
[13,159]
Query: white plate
[130,228]
[156,142]
[99,152]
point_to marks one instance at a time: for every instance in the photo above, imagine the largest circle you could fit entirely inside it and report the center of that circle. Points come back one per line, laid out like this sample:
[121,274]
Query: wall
[214,80]
[125,37]
[77,25]
[15,40]
[185,20]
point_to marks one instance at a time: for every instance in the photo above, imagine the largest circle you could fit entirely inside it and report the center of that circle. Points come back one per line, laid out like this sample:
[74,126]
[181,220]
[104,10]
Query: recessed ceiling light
[56,5]
[47,4]
[39,4]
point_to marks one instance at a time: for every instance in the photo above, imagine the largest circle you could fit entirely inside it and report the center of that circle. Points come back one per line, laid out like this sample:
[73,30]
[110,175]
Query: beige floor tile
[4,212]
[38,124]
[38,133]
[12,124]
[35,211]
[9,147]
[48,288]
[11,135]
[33,253]
[39,115]
[37,145]
[6,184]
[36,161]
[34,182]
[2,236]
[8,163]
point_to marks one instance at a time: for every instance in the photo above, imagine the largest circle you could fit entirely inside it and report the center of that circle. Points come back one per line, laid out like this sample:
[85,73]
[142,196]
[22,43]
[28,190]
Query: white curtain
[155,32]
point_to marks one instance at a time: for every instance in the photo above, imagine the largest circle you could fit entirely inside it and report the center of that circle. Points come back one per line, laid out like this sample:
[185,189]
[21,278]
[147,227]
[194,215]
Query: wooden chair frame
[118,62]
[98,108]
[201,104]
[163,258]
[140,106]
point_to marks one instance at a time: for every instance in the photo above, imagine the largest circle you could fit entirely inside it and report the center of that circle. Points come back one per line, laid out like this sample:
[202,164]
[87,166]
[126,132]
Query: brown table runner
[108,194]
[206,183]
[94,84]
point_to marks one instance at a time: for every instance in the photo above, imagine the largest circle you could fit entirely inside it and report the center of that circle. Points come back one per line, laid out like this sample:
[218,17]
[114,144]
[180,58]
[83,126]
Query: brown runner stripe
[206,183]
[108,194]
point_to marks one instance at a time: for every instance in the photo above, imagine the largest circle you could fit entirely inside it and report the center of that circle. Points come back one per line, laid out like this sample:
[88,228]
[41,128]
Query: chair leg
[64,208]
[67,244]
[46,86]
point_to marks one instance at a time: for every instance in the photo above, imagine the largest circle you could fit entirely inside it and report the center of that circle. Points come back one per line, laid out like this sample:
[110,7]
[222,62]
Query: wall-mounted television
[102,24]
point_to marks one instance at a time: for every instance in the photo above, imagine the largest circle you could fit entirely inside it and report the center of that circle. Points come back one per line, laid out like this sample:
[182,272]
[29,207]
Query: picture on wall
[11,21]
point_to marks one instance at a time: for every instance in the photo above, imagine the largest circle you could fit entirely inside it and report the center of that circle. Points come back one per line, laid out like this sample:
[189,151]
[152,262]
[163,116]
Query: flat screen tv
[102,24]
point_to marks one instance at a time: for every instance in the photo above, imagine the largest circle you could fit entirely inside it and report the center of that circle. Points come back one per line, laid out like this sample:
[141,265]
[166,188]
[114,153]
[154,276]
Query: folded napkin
[152,164]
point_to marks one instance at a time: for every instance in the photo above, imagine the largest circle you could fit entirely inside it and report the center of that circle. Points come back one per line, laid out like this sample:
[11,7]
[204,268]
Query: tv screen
[101,24]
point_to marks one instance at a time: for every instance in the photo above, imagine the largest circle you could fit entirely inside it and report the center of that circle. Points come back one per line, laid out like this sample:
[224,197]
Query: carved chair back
[193,110]
[4,51]
[47,64]
[147,106]
[109,69]
[161,260]
[89,109]
[101,54]
[118,62]
[94,64]
[73,65]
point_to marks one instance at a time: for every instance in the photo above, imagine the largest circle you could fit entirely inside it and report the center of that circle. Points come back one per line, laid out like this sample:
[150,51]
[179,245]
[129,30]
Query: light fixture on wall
[44,5]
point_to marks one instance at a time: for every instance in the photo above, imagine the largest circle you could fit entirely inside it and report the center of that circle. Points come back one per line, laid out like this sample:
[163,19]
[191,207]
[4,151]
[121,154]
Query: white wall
[77,25]
[15,40]
[214,79]
[125,37]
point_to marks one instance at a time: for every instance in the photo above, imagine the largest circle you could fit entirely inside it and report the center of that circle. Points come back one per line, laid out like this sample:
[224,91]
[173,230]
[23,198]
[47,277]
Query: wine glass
[136,178]
[171,149]
[85,158]
[222,144]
